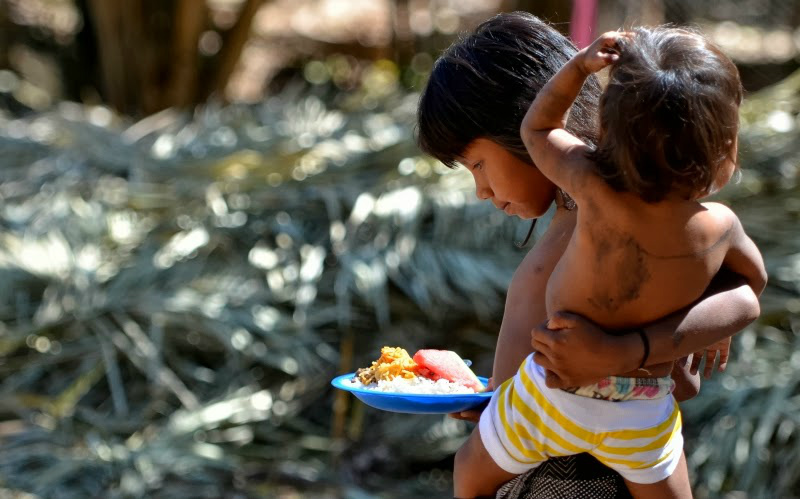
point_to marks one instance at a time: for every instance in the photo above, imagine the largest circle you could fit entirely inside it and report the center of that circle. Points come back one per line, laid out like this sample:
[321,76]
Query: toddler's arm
[558,154]
[744,258]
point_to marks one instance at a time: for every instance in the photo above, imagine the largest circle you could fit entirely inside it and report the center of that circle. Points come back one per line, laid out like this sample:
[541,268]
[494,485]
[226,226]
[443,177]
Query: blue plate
[414,403]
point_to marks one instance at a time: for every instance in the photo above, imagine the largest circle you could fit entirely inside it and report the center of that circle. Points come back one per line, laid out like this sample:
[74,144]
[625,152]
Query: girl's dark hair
[669,115]
[483,84]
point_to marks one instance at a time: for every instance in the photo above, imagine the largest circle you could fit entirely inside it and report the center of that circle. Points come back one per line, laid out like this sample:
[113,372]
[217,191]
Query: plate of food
[431,382]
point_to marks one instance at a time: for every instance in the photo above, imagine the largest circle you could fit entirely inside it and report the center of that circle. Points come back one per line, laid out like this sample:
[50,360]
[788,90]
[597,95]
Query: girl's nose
[483,192]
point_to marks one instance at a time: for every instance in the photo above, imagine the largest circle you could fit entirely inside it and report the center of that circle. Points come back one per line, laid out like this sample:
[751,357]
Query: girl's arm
[583,354]
[524,309]
[558,154]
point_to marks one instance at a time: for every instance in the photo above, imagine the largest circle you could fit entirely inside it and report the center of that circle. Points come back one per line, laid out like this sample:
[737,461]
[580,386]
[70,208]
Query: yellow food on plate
[393,362]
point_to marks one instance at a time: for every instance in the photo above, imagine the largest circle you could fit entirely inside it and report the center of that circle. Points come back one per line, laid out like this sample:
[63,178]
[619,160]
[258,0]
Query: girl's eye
[478,165]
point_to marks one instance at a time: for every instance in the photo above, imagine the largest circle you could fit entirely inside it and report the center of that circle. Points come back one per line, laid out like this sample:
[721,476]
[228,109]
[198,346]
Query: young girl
[643,247]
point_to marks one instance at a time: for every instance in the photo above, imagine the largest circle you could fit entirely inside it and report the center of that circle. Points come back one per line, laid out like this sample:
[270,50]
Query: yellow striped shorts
[527,423]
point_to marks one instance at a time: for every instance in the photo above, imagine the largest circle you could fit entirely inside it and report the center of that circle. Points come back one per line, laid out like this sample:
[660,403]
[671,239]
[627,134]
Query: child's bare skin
[629,261]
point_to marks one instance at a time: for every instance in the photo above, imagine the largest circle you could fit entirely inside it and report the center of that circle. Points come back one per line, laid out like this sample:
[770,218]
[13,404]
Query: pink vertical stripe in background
[582,24]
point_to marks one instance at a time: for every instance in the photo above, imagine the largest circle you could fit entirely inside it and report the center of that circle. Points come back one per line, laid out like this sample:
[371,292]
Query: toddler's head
[669,116]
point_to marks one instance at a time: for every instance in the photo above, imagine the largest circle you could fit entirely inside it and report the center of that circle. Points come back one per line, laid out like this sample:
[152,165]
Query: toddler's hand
[710,354]
[604,51]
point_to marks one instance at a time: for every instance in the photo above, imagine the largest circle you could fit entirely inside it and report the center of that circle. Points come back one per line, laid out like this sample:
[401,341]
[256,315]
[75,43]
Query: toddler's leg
[676,486]
[475,473]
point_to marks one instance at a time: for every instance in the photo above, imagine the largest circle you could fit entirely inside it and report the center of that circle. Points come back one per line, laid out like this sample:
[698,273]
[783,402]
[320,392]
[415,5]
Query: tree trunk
[190,21]
[140,75]
[402,36]
[106,17]
[5,30]
[232,46]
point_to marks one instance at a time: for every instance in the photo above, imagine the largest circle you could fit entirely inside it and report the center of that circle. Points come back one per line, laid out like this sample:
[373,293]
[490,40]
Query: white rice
[414,385]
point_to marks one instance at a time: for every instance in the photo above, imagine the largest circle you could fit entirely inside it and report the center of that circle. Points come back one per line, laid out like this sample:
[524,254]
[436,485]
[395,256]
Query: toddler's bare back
[630,262]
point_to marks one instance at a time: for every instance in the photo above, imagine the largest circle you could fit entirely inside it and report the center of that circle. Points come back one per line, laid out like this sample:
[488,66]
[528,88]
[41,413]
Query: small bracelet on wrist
[646,344]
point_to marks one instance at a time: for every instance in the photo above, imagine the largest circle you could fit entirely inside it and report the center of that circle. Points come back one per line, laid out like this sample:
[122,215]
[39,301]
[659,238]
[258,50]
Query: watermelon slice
[436,364]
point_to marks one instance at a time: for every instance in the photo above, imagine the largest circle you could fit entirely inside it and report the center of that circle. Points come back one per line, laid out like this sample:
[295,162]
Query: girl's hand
[710,354]
[603,52]
[575,352]
[475,414]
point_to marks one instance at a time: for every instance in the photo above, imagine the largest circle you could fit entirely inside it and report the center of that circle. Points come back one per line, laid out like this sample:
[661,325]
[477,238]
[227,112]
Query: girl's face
[513,186]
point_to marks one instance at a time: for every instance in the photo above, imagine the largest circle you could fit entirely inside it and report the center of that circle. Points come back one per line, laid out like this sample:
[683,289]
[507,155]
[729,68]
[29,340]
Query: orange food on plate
[393,362]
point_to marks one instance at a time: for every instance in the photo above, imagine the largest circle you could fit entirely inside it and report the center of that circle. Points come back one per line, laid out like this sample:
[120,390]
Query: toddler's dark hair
[483,84]
[669,116]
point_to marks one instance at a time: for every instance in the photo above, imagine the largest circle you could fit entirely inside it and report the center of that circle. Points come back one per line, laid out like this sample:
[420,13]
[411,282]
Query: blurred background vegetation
[211,208]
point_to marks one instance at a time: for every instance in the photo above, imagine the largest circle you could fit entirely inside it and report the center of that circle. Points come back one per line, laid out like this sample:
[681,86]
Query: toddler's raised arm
[558,154]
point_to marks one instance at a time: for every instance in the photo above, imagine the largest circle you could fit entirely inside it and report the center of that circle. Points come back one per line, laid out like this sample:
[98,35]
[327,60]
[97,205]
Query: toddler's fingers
[610,58]
[610,36]
[696,357]
[561,320]
[543,360]
[542,335]
[723,360]
[619,41]
[541,348]
[552,380]
[711,356]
